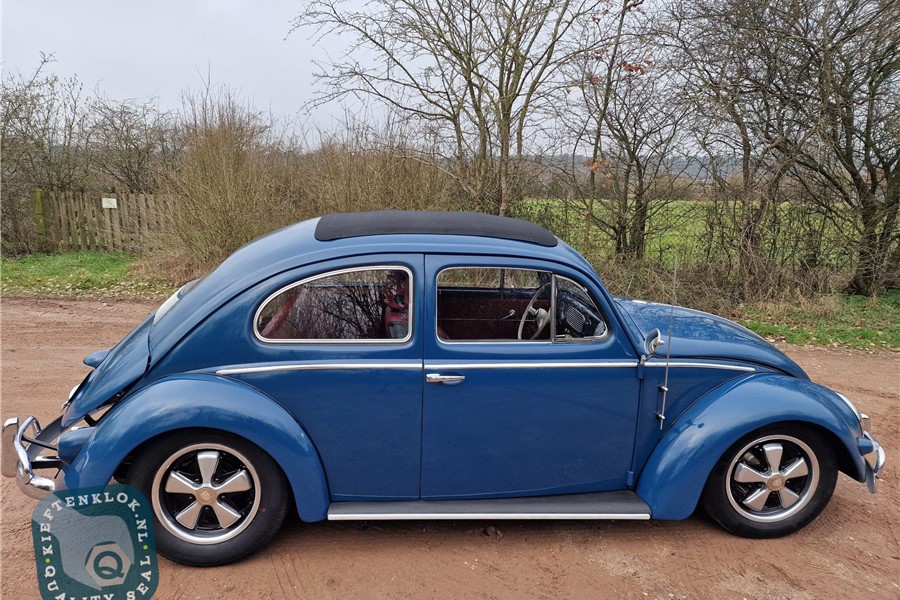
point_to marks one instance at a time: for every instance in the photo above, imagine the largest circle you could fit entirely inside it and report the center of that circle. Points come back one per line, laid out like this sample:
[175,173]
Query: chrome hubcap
[772,478]
[206,494]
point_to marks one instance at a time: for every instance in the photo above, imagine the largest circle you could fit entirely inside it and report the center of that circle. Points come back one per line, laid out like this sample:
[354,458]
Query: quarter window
[370,303]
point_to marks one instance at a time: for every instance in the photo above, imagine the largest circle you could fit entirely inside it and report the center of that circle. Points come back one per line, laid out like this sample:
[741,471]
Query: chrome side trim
[387,341]
[608,364]
[487,515]
[525,364]
[361,366]
[701,365]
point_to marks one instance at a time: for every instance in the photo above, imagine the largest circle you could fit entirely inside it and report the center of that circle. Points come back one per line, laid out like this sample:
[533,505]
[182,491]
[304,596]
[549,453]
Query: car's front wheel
[216,498]
[772,482]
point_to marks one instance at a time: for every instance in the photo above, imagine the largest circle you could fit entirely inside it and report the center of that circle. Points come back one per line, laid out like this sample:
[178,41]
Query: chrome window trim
[702,365]
[357,366]
[379,341]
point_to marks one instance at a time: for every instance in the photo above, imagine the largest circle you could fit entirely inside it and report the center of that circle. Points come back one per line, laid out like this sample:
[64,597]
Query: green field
[688,231]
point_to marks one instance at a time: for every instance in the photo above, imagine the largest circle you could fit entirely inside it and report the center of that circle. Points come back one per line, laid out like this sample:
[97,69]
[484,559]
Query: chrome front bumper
[873,470]
[21,455]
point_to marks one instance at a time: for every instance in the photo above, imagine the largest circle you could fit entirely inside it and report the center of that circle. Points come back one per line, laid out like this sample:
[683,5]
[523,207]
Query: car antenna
[664,388]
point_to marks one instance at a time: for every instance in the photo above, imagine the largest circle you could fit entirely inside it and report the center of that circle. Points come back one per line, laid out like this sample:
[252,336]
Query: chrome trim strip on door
[390,364]
[525,364]
[360,366]
[702,365]
[488,515]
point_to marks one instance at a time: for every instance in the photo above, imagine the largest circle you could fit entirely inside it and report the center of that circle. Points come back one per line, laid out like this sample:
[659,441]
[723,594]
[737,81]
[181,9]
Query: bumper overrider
[872,470]
[21,456]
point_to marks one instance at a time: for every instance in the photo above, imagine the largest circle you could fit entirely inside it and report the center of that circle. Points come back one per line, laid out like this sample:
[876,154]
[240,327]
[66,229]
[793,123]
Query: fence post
[39,220]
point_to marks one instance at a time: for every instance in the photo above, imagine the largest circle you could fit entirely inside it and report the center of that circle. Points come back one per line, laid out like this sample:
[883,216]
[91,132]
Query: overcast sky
[158,48]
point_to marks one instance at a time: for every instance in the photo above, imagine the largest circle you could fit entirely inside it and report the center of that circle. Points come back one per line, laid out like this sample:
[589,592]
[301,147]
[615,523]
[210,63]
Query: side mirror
[654,341]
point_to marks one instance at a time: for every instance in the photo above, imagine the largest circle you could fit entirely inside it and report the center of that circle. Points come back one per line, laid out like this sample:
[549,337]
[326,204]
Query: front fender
[209,401]
[674,476]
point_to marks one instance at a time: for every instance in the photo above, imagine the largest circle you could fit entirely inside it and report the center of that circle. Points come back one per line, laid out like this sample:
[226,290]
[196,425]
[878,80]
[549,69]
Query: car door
[504,416]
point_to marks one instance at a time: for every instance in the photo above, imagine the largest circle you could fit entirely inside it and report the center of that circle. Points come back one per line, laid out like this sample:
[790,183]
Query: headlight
[851,406]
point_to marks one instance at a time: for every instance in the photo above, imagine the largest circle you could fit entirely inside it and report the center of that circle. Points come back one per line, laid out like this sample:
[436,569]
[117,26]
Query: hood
[117,369]
[697,334]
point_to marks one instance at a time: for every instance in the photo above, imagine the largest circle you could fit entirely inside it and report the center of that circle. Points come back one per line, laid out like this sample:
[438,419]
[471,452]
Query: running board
[620,505]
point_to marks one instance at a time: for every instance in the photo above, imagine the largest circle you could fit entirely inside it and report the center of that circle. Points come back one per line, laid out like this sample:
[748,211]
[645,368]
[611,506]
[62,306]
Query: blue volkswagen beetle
[423,365]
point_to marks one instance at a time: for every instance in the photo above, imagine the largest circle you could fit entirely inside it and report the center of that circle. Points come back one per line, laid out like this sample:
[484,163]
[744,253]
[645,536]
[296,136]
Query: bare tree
[802,88]
[46,130]
[734,76]
[619,107]
[133,141]
[45,135]
[471,73]
[851,94]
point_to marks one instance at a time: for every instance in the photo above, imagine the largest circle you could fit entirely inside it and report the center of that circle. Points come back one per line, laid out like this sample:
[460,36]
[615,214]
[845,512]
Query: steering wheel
[541,316]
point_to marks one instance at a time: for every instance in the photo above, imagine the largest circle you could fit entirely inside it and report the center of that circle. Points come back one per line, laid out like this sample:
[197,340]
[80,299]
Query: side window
[577,315]
[493,304]
[369,303]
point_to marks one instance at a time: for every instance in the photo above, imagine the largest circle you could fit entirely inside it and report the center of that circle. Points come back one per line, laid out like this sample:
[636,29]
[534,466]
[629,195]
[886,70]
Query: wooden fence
[73,221]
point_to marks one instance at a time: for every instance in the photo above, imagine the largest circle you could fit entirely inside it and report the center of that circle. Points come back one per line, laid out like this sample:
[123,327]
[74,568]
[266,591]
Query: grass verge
[102,275]
[850,321]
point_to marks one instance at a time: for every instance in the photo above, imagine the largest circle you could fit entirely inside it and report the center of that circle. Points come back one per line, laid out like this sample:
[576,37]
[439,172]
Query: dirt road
[851,551]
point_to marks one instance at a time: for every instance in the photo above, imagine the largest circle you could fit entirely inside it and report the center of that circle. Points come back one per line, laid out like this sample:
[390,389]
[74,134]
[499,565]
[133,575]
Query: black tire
[214,479]
[751,498]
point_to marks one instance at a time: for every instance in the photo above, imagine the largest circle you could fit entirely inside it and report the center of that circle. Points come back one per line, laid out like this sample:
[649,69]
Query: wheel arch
[199,401]
[674,476]
[122,471]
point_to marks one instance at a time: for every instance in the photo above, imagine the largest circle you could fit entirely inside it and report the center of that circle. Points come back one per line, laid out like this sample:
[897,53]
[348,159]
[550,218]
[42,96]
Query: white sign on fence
[108,203]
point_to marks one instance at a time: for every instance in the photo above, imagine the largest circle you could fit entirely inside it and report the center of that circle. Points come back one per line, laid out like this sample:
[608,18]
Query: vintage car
[422,365]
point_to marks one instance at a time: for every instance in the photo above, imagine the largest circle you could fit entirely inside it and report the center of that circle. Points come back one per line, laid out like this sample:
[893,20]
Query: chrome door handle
[438,378]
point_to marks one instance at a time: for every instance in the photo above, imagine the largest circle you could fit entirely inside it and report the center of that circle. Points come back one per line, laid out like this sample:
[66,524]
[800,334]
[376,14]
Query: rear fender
[674,476]
[212,402]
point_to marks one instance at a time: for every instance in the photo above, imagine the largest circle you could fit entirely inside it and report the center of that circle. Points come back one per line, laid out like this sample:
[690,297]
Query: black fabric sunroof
[347,225]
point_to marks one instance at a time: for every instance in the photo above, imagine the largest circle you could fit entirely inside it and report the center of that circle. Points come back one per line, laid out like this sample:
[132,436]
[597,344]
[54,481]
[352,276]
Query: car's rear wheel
[216,498]
[772,482]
